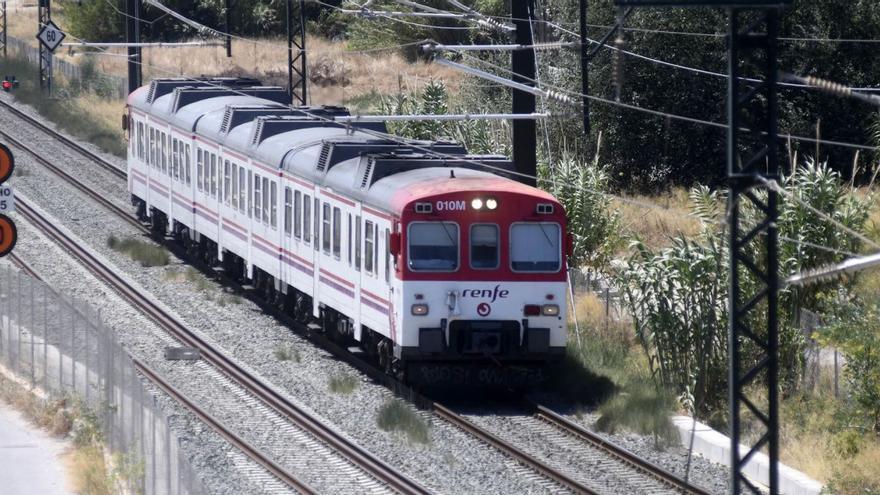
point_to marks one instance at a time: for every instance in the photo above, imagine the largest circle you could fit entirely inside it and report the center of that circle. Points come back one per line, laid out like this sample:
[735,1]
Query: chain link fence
[108,85]
[62,347]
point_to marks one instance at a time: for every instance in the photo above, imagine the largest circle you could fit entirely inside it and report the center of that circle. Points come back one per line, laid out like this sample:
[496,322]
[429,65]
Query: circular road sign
[8,235]
[7,163]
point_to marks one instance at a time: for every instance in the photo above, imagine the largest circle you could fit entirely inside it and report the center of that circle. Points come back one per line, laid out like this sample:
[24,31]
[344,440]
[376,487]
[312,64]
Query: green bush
[147,254]
[343,384]
[394,415]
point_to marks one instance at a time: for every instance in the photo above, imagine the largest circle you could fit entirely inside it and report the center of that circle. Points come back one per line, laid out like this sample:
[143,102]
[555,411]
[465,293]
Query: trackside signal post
[44,16]
[751,158]
[8,231]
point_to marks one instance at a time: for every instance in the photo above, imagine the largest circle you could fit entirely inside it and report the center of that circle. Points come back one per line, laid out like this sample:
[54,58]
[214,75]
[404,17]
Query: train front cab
[483,295]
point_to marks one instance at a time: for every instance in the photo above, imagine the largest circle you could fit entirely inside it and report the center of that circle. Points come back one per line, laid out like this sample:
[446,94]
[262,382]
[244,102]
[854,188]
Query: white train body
[420,260]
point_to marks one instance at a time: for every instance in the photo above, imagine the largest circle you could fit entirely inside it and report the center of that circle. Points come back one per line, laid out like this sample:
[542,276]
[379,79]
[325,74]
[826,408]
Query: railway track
[568,481]
[156,379]
[265,393]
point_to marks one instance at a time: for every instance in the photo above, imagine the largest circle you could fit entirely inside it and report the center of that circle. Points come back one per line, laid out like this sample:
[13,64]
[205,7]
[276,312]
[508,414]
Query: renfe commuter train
[435,262]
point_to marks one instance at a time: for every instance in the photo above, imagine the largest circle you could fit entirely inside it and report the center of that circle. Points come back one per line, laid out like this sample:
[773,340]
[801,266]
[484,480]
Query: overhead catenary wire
[567,96]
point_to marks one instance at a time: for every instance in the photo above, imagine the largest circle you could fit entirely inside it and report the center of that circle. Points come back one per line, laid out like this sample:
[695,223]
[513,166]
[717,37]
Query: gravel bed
[452,461]
[207,452]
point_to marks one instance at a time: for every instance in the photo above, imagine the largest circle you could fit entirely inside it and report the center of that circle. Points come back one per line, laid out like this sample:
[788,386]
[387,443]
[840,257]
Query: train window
[297,214]
[368,246]
[337,233]
[175,159]
[357,243]
[288,207]
[307,218]
[433,246]
[151,159]
[188,166]
[235,186]
[317,223]
[213,175]
[387,255]
[484,246]
[140,140]
[250,193]
[200,169]
[326,225]
[265,200]
[164,154]
[274,204]
[242,189]
[258,197]
[227,181]
[349,239]
[535,247]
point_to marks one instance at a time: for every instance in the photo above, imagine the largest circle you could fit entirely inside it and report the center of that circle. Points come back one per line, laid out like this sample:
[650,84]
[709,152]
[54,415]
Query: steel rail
[249,450]
[353,452]
[442,411]
[64,139]
[616,451]
[114,208]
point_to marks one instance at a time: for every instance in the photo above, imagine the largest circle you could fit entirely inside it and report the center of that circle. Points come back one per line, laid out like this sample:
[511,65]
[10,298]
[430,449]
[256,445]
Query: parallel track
[353,452]
[154,377]
[675,483]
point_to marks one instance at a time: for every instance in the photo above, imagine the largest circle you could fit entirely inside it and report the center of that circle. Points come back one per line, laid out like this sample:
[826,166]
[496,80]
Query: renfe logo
[450,206]
[493,293]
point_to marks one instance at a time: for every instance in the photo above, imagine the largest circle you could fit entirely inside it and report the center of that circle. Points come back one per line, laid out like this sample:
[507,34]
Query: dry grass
[336,74]
[88,472]
[655,226]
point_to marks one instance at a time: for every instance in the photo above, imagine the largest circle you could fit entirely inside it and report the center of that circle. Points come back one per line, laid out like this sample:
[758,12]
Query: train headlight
[476,203]
[491,203]
[550,310]
[419,309]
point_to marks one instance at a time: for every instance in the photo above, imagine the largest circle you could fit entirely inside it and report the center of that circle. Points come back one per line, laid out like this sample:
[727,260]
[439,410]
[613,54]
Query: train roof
[256,121]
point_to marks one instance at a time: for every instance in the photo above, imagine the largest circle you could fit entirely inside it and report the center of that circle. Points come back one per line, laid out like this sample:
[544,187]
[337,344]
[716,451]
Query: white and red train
[439,267]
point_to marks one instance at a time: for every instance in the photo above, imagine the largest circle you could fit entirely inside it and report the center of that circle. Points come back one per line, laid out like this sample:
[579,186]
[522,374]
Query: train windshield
[535,247]
[433,246]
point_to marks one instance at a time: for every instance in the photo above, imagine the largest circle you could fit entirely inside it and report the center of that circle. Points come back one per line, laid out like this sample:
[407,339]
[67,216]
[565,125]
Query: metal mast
[3,26]
[296,64]
[133,36]
[44,15]
[754,264]
[525,140]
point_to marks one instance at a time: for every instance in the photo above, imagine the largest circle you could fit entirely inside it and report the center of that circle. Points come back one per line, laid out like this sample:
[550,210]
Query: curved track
[640,467]
[353,452]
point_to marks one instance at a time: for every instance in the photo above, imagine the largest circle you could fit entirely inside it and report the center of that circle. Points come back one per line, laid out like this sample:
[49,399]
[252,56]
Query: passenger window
[484,246]
[164,155]
[357,243]
[535,247]
[288,207]
[265,200]
[213,175]
[307,218]
[349,239]
[433,246]
[152,157]
[317,223]
[297,214]
[251,192]
[234,186]
[140,139]
[274,204]
[200,169]
[337,233]
[326,231]
[188,167]
[368,246]
[258,197]
[226,180]
[175,157]
[242,190]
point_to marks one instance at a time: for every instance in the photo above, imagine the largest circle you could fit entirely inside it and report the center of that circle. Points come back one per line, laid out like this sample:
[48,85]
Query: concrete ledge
[715,446]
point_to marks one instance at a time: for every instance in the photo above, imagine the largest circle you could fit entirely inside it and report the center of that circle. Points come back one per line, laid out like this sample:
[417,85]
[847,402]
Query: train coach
[434,261]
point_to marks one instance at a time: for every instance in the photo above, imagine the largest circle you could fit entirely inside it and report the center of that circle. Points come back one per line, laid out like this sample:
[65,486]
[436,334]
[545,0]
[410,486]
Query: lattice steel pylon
[296,64]
[754,283]
[3,27]
[44,15]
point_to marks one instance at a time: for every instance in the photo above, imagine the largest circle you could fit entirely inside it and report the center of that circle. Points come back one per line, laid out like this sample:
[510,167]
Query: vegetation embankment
[634,191]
